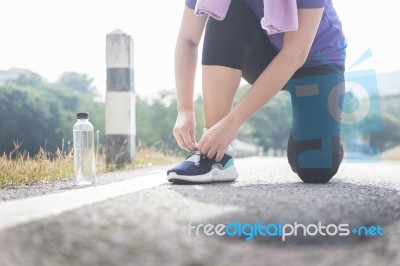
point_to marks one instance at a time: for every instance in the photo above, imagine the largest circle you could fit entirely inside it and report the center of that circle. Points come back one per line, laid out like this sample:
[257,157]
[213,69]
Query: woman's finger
[187,139]
[220,154]
[204,149]
[200,144]
[180,141]
[211,153]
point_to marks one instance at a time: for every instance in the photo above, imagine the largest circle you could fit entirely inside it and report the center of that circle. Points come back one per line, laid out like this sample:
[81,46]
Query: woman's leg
[233,47]
[219,87]
[314,148]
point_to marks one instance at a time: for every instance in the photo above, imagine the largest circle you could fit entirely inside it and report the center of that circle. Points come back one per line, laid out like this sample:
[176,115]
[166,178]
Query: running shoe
[197,168]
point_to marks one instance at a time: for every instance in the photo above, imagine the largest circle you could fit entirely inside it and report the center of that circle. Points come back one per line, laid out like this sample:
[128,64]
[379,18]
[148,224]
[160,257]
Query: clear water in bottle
[84,153]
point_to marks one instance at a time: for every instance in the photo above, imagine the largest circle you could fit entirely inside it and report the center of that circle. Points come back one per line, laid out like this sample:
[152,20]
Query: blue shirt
[329,45]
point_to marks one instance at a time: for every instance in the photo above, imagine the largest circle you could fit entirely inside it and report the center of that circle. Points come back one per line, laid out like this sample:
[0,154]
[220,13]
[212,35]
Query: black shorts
[239,42]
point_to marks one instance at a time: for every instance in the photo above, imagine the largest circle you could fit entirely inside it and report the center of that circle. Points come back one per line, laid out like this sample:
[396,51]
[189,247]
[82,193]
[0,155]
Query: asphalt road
[151,227]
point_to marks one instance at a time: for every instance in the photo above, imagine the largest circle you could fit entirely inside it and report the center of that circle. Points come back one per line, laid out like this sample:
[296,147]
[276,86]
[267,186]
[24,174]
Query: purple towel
[215,8]
[279,15]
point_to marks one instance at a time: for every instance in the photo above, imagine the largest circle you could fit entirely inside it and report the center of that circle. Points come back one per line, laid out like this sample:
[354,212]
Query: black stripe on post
[120,79]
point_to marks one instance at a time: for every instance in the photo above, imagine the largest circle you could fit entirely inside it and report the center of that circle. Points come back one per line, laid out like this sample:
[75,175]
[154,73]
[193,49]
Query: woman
[308,62]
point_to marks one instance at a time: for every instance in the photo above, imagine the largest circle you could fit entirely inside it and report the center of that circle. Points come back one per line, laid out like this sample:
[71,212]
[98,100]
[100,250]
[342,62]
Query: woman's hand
[216,139]
[184,130]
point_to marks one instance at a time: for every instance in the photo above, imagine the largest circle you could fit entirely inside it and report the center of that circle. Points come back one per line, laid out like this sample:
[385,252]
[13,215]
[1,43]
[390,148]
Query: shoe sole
[215,175]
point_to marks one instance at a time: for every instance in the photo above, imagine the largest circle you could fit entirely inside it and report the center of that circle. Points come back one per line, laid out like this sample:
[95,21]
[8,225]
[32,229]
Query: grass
[22,169]
[147,157]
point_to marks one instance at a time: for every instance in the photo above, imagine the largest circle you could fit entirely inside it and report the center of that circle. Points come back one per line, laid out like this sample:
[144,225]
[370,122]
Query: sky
[53,36]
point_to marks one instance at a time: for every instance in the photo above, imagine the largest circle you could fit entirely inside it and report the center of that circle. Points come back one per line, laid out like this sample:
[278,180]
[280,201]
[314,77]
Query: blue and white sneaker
[197,168]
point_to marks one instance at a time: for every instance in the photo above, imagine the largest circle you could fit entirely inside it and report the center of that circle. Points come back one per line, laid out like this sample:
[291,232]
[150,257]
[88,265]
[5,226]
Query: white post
[120,99]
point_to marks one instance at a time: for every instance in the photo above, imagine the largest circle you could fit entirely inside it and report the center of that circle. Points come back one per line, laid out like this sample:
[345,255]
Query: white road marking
[17,212]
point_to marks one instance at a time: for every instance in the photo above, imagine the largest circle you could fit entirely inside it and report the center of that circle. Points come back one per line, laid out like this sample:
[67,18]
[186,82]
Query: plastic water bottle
[85,168]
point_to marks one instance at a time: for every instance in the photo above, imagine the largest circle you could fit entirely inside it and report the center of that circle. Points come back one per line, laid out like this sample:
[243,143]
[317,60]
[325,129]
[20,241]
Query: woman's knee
[316,173]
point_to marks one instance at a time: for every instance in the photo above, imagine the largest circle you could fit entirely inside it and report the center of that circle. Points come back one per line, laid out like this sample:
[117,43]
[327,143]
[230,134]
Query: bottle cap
[82,116]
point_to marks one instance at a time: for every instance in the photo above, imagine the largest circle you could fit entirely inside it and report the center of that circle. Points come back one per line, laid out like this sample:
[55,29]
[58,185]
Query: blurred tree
[77,81]
[43,116]
[28,79]
[270,126]
[155,120]
[388,133]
